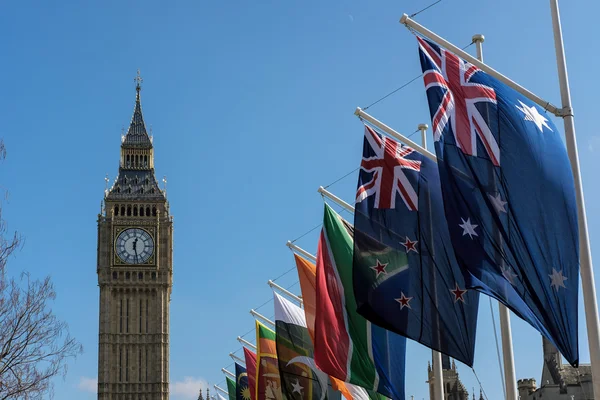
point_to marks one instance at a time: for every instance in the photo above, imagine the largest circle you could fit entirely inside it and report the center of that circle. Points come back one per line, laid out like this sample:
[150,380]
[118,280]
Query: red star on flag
[404,301]
[409,245]
[458,293]
[379,269]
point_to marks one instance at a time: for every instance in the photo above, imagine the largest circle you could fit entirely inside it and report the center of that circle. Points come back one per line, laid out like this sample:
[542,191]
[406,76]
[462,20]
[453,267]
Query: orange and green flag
[307,274]
[268,382]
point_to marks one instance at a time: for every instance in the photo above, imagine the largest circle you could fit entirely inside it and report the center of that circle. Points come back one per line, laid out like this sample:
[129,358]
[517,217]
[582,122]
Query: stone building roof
[135,185]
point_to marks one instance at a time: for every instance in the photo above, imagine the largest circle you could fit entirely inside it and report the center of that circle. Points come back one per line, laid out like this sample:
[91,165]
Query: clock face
[134,246]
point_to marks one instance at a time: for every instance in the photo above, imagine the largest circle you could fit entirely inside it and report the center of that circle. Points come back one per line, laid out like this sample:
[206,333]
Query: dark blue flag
[242,390]
[508,195]
[406,278]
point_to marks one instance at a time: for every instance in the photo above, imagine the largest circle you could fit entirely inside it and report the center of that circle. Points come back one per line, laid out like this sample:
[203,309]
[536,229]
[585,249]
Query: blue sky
[250,104]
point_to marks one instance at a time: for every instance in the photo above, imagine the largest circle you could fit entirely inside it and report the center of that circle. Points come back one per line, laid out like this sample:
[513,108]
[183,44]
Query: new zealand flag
[406,278]
[508,195]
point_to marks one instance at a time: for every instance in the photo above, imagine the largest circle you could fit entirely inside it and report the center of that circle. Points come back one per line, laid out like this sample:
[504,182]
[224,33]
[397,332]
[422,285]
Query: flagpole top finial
[478,38]
[423,127]
[403,19]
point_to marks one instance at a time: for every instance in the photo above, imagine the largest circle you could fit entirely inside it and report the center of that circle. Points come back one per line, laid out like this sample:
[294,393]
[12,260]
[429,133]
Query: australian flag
[508,195]
[406,278]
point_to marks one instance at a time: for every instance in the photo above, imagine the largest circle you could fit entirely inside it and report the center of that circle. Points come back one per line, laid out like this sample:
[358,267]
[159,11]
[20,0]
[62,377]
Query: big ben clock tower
[135,269]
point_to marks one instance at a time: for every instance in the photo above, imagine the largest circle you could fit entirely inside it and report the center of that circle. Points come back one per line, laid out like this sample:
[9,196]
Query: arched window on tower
[129,211]
[128,162]
[154,211]
[142,190]
[137,161]
[148,211]
[145,161]
[117,210]
[135,213]
[123,210]
[142,209]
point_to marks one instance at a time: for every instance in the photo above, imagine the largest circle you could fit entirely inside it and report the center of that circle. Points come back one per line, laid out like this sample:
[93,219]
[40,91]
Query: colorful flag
[250,358]
[268,382]
[300,377]
[242,391]
[508,194]
[347,346]
[406,277]
[230,388]
[307,273]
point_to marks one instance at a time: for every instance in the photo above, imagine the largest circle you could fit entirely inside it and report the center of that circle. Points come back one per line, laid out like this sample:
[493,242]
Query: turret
[526,387]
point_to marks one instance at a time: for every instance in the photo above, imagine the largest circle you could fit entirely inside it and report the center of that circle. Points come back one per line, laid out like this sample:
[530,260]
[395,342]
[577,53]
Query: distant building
[559,382]
[453,387]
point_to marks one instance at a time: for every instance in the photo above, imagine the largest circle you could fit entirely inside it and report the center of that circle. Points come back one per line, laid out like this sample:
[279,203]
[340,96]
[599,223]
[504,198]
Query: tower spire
[138,83]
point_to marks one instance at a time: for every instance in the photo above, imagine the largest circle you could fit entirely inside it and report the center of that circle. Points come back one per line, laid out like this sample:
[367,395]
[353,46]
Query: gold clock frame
[151,231]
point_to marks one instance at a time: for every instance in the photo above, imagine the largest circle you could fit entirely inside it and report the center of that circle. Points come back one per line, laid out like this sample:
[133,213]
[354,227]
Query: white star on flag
[558,279]
[499,204]
[468,228]
[297,388]
[532,114]
[509,275]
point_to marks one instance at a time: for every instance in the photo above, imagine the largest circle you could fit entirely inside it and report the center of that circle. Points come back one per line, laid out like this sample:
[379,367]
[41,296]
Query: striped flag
[347,346]
[307,274]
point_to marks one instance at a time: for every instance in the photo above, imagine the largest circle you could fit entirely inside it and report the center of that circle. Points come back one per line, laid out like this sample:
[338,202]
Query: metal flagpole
[438,373]
[223,370]
[246,343]
[335,199]
[585,261]
[301,251]
[510,378]
[412,24]
[220,389]
[375,122]
[285,291]
[237,359]
[260,316]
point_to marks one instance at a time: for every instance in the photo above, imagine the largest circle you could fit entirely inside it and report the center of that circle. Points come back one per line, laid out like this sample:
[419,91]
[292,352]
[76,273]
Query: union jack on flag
[386,165]
[459,102]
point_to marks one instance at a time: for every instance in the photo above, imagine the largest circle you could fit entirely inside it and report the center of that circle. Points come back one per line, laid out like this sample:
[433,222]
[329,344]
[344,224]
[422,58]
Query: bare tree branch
[34,344]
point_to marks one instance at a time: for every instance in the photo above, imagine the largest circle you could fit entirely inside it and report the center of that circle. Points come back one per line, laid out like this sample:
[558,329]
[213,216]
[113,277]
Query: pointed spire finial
[138,82]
